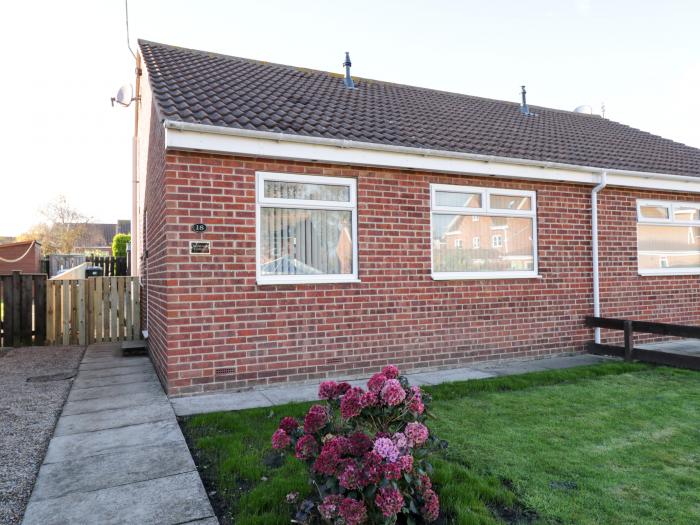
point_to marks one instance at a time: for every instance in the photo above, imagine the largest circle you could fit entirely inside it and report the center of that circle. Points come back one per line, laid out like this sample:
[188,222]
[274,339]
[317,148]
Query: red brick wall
[30,263]
[154,298]
[214,328]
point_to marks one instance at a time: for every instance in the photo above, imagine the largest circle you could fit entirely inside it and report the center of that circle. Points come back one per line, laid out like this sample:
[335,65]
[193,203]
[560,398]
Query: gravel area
[28,414]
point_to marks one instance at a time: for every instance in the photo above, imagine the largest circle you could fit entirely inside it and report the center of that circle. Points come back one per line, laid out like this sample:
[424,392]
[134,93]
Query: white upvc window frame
[261,201]
[671,206]
[484,210]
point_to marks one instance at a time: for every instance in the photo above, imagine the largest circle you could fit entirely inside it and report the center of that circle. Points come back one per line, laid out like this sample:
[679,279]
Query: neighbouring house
[292,226]
[97,237]
[24,256]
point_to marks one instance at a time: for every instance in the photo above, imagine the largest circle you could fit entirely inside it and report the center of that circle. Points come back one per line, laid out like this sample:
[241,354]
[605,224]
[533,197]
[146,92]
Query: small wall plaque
[200,247]
[199,227]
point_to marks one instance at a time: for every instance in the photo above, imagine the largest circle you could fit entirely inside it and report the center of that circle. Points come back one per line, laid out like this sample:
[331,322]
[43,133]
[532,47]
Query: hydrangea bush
[366,453]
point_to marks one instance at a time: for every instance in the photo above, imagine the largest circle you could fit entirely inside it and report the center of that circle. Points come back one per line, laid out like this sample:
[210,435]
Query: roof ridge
[357,78]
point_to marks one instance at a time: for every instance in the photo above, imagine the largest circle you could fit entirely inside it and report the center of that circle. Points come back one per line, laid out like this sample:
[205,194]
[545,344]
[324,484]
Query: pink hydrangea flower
[316,419]
[400,441]
[289,424]
[328,509]
[385,448]
[392,470]
[350,403]
[431,506]
[327,390]
[359,444]
[351,477]
[392,392]
[372,471]
[390,501]
[280,439]
[352,511]
[329,461]
[391,372]
[406,463]
[369,399]
[416,403]
[376,382]
[416,433]
[341,388]
[306,448]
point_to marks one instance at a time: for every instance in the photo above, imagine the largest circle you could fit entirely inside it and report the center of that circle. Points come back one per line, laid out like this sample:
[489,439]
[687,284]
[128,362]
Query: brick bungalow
[350,227]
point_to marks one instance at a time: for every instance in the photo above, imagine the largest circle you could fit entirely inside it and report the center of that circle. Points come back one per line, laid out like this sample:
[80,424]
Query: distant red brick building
[348,228]
[22,256]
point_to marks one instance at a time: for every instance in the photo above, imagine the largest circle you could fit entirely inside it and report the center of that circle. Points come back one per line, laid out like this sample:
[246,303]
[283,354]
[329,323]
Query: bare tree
[62,228]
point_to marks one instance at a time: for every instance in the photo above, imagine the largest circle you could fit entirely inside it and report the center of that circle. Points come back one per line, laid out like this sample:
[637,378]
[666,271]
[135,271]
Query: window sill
[484,276]
[668,273]
[330,280]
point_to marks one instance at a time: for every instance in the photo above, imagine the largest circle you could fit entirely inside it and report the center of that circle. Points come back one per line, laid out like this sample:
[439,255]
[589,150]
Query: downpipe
[594,229]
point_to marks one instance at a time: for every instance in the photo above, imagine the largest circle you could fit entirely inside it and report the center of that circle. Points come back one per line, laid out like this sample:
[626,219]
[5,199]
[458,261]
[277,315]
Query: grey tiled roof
[207,88]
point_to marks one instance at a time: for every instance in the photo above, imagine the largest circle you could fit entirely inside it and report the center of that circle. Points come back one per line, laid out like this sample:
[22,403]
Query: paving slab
[448,376]
[163,501]
[114,371]
[137,377]
[110,362]
[111,440]
[80,394]
[186,406]
[108,470]
[114,418]
[135,399]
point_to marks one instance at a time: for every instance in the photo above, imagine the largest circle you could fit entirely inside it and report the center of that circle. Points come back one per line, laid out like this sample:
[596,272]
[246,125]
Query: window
[506,217]
[667,237]
[306,229]
[458,244]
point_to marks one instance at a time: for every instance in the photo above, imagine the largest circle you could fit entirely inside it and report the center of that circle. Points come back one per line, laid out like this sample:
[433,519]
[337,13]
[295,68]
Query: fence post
[15,305]
[40,313]
[629,340]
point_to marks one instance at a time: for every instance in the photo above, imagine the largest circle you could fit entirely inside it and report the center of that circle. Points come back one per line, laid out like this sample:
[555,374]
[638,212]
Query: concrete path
[117,454]
[262,397]
[676,346]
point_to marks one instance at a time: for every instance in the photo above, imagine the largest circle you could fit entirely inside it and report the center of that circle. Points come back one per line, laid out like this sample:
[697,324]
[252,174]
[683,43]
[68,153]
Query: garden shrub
[366,453]
[119,243]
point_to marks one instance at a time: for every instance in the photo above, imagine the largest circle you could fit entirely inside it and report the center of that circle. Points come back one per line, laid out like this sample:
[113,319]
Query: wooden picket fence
[94,310]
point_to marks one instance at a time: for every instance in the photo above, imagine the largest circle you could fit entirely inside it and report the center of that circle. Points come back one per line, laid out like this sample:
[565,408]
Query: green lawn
[613,443]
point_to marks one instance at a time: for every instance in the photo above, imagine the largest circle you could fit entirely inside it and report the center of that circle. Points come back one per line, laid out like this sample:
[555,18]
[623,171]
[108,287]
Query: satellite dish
[588,110]
[125,96]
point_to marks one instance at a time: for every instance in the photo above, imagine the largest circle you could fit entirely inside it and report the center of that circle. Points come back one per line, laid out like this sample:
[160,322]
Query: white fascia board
[215,139]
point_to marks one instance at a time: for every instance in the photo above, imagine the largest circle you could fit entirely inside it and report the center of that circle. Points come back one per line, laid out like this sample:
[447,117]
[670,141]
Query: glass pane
[458,199]
[493,244]
[304,191]
[305,242]
[686,213]
[510,202]
[654,212]
[668,246]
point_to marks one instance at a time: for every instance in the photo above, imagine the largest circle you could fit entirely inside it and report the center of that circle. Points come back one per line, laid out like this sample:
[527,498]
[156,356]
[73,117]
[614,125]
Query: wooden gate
[94,310]
[22,309]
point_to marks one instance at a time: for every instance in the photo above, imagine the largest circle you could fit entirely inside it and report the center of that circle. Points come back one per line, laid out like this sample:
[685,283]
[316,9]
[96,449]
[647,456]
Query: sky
[63,61]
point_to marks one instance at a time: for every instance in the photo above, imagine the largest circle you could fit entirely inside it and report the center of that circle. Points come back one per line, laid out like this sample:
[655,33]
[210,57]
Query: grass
[612,443]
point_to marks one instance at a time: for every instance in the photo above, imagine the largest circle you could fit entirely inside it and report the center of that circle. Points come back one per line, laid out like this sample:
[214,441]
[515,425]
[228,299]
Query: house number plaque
[199,227]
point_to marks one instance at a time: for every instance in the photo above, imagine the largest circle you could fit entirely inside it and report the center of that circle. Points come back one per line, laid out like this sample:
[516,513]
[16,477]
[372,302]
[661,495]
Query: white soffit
[213,139]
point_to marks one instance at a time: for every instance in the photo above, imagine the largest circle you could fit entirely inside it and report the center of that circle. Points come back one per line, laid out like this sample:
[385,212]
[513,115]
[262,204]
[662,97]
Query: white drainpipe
[594,223]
